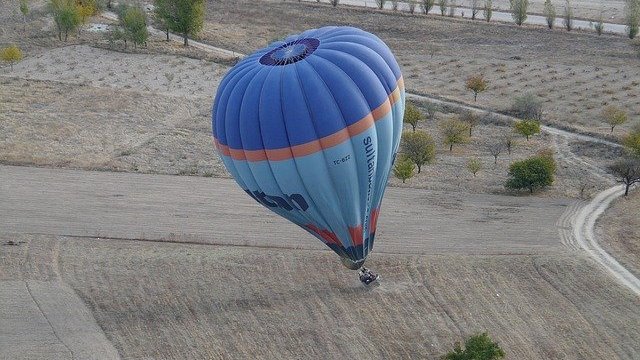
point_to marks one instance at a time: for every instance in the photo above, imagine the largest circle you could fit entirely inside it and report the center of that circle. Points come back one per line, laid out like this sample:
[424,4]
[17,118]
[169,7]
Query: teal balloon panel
[309,127]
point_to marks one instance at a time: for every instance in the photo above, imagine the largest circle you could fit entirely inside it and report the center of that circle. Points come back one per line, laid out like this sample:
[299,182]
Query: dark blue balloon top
[303,89]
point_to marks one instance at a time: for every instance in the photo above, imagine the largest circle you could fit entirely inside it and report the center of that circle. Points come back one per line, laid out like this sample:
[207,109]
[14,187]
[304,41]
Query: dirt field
[175,301]
[575,75]
[619,228]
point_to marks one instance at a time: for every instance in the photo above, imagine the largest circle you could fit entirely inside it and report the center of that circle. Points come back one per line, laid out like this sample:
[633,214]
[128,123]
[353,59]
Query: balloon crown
[290,52]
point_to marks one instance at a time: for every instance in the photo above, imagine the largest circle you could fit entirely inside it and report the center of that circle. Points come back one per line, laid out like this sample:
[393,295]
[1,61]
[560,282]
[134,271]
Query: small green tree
[549,13]
[134,24]
[527,128]
[471,119]
[477,84]
[412,115]
[419,147]
[632,17]
[474,165]
[568,16]
[454,132]
[631,141]
[427,5]
[11,54]
[442,4]
[185,17]
[614,116]
[162,12]
[65,15]
[531,174]
[519,11]
[477,347]
[488,10]
[404,168]
[24,9]
[627,170]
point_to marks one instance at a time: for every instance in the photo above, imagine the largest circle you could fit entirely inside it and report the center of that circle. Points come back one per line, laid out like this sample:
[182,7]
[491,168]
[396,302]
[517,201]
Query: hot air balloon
[309,128]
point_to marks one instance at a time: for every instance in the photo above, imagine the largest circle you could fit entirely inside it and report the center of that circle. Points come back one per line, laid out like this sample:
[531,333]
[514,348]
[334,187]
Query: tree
[531,174]
[568,16]
[162,11]
[412,6]
[495,149]
[454,131]
[549,13]
[24,9]
[508,141]
[442,4]
[474,165]
[475,8]
[527,128]
[134,24]
[628,172]
[427,5]
[185,17]
[412,115]
[418,147]
[11,54]
[599,25]
[471,119]
[380,4]
[477,347]
[632,142]
[65,15]
[614,116]
[477,84]
[632,17]
[334,3]
[404,168]
[527,106]
[488,10]
[519,11]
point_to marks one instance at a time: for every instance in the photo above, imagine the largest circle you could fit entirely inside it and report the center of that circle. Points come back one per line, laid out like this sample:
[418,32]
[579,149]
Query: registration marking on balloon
[309,128]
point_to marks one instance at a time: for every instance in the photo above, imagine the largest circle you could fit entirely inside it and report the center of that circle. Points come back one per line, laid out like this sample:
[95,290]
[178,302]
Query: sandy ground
[619,229]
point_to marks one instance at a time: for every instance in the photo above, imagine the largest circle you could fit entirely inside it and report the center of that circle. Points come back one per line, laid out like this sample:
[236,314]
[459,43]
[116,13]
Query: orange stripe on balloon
[356,234]
[374,220]
[317,145]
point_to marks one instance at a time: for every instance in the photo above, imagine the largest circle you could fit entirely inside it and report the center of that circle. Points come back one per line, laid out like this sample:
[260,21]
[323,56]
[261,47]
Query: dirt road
[211,210]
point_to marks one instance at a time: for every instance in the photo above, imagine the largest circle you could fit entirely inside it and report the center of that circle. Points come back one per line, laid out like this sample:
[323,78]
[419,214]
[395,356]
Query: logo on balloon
[288,202]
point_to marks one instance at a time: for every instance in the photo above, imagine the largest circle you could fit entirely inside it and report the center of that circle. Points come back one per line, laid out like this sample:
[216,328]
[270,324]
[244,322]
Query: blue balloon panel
[309,127]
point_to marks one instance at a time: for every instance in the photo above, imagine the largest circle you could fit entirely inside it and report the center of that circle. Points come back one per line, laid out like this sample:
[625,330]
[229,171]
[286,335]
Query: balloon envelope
[309,127]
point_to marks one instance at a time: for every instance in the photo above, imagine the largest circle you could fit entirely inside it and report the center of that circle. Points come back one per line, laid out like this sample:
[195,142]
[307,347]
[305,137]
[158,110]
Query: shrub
[404,168]
[11,54]
[527,107]
[531,174]
[477,84]
[477,347]
[419,147]
[527,128]
[519,11]
[549,13]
